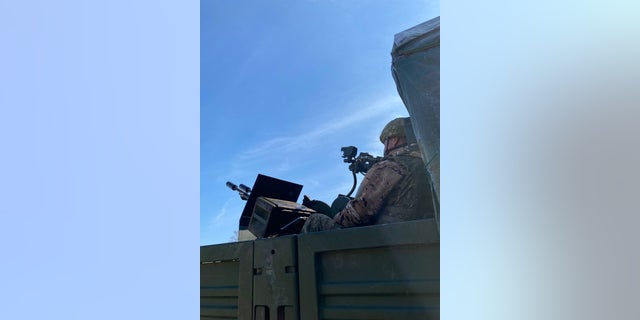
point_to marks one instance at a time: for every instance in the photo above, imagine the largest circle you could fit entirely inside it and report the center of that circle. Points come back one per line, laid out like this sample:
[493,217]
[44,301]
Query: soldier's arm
[376,185]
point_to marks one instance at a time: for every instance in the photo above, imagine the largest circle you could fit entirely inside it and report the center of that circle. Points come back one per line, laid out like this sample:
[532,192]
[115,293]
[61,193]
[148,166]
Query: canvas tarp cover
[416,71]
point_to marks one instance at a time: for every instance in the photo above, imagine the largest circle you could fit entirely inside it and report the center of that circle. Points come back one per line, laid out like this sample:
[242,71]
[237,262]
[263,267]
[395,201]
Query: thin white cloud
[221,222]
[222,213]
[381,106]
[247,66]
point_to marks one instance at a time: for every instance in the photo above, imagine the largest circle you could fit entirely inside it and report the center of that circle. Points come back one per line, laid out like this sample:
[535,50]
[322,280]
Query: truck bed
[376,272]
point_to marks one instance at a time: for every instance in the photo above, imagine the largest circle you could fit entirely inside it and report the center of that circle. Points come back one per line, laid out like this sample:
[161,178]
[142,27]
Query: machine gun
[271,209]
[243,190]
[360,164]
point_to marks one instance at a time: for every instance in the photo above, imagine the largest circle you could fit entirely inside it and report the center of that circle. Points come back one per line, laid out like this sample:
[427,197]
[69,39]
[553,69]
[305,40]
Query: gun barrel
[244,188]
[232,186]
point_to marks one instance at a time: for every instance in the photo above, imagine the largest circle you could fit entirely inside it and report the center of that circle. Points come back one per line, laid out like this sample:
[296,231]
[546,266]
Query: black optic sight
[349,153]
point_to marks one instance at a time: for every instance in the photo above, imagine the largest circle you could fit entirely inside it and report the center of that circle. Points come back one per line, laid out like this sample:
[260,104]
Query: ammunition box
[270,215]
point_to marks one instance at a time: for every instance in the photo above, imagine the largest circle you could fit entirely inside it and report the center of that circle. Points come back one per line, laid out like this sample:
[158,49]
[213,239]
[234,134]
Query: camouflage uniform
[394,189]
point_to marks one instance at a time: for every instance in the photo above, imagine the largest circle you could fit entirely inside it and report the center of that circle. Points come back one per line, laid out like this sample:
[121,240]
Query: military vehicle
[387,271]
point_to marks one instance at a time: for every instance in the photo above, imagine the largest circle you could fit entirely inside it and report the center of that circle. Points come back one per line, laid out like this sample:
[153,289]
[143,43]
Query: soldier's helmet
[396,128]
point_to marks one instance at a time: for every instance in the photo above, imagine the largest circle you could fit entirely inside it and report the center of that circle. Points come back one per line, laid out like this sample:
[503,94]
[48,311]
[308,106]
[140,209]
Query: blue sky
[285,85]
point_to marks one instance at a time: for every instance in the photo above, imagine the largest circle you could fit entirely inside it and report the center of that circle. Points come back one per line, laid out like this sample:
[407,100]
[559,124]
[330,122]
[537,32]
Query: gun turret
[243,190]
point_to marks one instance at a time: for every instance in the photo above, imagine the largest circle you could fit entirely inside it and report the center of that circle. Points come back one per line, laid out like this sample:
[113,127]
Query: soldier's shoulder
[387,164]
[386,161]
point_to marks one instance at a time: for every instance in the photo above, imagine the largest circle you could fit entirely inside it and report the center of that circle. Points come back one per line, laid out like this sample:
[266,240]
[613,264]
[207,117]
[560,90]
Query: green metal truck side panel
[226,284]
[275,279]
[378,272]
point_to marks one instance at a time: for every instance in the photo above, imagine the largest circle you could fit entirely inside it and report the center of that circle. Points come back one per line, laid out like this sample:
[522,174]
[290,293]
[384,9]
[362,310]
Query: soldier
[394,189]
